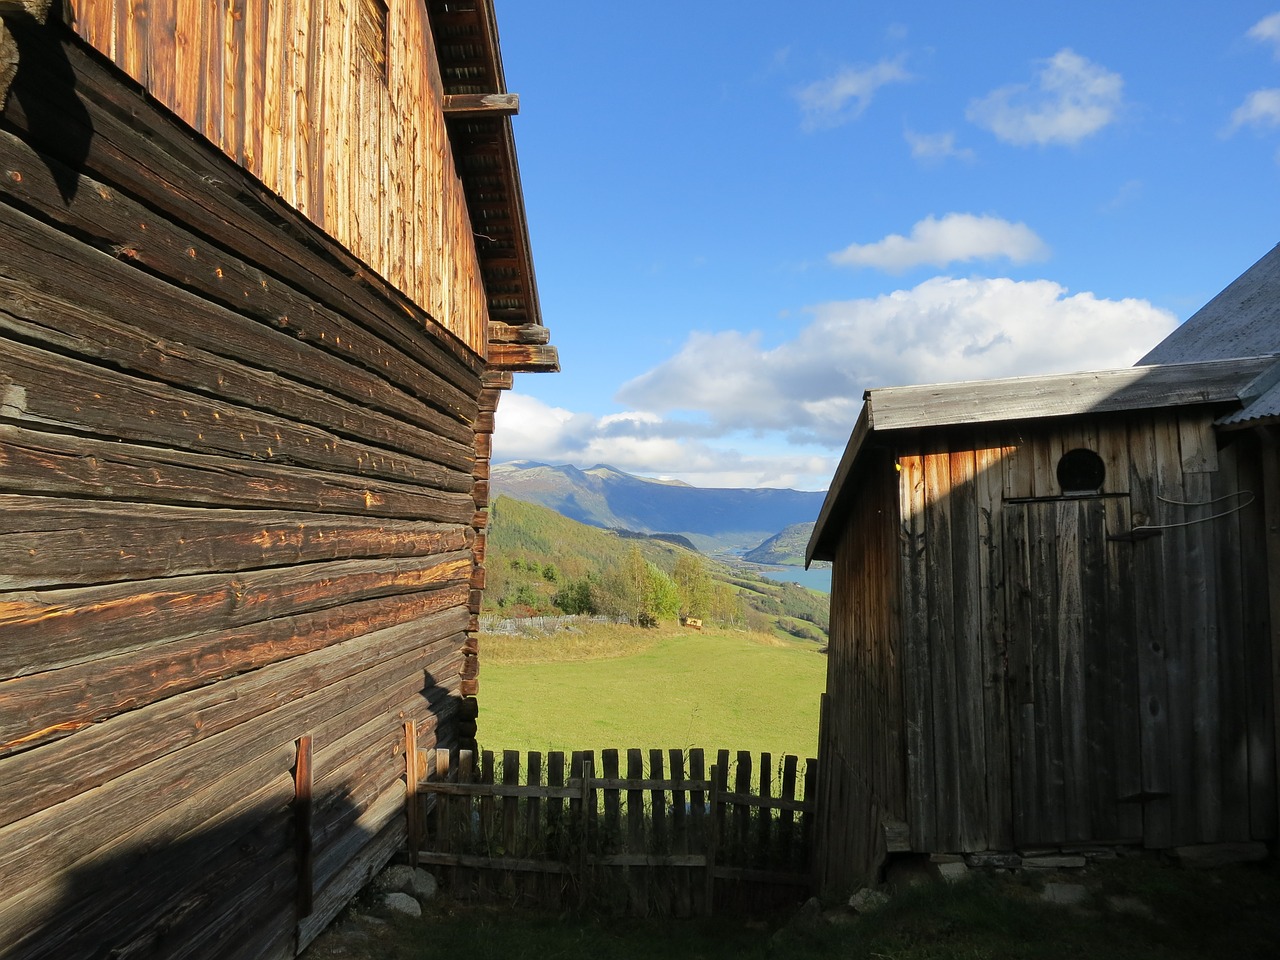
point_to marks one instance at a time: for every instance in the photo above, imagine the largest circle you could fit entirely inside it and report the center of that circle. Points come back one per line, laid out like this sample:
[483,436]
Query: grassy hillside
[671,688]
[538,560]
[786,547]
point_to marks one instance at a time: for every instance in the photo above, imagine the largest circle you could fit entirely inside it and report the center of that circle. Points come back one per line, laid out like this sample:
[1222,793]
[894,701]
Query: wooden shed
[1053,616]
[264,269]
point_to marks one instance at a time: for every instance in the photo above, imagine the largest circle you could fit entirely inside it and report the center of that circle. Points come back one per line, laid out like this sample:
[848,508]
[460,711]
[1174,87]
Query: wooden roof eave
[904,410]
[822,540]
[478,110]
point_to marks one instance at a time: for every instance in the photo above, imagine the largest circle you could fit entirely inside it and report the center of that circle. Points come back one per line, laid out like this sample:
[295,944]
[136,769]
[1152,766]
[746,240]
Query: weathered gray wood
[55,464]
[1232,565]
[967,651]
[52,263]
[1150,611]
[48,629]
[386,825]
[110,338]
[1176,542]
[46,542]
[480,104]
[218,843]
[1034,398]
[917,700]
[61,393]
[49,705]
[1022,697]
[993,641]
[198,186]
[32,781]
[940,590]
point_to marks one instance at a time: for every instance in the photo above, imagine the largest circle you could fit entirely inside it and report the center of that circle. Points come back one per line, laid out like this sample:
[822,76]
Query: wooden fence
[670,837]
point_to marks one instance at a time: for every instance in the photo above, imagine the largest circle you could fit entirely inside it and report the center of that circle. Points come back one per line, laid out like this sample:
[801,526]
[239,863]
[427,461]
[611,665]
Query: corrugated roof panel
[1265,408]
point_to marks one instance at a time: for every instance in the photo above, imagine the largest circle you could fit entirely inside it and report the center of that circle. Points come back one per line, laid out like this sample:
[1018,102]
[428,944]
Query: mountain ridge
[732,519]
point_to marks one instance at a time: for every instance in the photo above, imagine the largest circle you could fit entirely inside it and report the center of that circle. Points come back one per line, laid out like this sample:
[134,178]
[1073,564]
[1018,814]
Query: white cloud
[1267,30]
[1071,98]
[956,238]
[1261,108]
[727,411]
[810,388]
[645,444]
[844,96]
[935,146]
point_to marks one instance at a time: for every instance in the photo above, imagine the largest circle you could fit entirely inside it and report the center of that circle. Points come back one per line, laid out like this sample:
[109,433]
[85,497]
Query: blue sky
[744,214]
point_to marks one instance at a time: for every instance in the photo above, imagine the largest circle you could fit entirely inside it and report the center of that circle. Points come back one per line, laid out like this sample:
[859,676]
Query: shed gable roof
[889,409]
[1241,321]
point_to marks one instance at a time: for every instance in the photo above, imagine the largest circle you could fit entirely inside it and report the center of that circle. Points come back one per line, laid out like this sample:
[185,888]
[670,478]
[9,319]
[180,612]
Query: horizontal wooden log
[146,239]
[68,394]
[480,104]
[38,256]
[44,706]
[66,768]
[45,319]
[523,333]
[132,143]
[47,464]
[48,629]
[224,835]
[498,380]
[47,542]
[68,834]
[524,357]
[352,878]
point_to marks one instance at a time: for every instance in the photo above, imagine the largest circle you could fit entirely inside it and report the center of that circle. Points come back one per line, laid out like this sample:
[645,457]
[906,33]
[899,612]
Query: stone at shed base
[424,886]
[1065,894]
[406,879]
[1208,856]
[398,876]
[867,900]
[397,902]
[951,872]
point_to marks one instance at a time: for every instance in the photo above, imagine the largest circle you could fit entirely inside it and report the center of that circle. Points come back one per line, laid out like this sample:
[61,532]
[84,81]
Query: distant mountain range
[732,520]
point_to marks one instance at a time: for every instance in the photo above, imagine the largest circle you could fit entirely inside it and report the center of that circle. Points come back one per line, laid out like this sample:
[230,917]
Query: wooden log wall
[860,749]
[238,499]
[1061,680]
[336,106]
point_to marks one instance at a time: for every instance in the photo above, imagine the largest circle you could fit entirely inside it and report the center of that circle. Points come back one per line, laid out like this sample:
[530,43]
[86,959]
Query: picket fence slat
[670,837]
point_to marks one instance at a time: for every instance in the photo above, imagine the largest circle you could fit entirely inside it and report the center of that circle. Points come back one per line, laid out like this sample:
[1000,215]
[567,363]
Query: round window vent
[1081,471]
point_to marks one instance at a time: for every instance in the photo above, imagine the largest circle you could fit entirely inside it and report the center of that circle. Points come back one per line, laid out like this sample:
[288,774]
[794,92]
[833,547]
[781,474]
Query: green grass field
[622,687]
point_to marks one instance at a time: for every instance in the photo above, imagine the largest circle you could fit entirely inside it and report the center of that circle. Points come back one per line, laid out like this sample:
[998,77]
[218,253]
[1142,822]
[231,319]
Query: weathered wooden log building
[264,269]
[1055,603]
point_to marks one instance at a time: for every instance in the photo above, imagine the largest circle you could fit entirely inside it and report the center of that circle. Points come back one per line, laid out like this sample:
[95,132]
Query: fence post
[585,805]
[411,778]
[713,836]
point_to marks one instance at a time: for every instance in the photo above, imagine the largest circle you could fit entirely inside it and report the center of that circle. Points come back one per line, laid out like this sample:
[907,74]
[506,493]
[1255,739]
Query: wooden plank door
[1072,672]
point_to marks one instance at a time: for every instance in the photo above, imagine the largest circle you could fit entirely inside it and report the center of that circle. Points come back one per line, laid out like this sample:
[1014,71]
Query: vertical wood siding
[287,90]
[862,744]
[1053,684]
[238,500]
